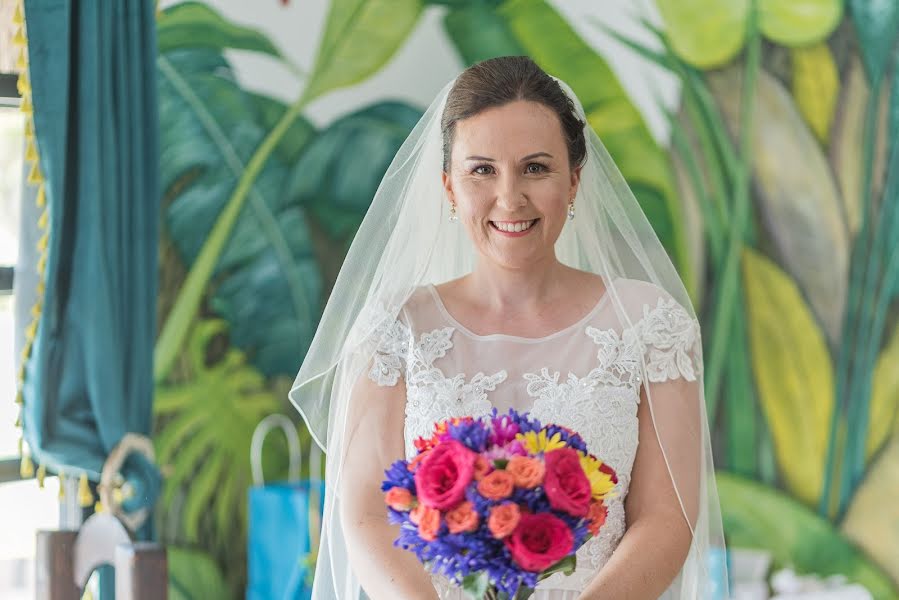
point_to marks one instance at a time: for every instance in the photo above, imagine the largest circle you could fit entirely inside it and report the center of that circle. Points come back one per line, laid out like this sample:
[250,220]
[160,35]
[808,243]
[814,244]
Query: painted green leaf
[816,85]
[756,516]
[338,185]
[846,143]
[884,396]
[799,22]
[196,25]
[795,193]
[204,442]
[359,37]
[479,33]
[266,281]
[872,520]
[550,40]
[193,575]
[299,135]
[793,374]
[705,33]
[877,24]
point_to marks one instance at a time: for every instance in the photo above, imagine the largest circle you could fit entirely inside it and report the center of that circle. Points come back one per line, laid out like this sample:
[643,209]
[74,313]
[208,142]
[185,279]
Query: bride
[505,263]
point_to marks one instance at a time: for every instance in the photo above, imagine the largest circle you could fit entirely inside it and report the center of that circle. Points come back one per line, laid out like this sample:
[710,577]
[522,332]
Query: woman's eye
[535,168]
[483,170]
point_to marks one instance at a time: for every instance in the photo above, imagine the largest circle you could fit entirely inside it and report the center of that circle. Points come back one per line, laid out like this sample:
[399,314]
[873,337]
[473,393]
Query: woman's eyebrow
[528,157]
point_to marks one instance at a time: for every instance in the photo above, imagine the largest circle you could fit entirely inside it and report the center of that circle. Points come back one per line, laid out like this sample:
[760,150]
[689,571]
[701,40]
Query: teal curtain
[89,379]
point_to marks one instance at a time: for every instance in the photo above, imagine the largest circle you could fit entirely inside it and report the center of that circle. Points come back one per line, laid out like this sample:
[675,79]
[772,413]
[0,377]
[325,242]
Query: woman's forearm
[644,564]
[385,571]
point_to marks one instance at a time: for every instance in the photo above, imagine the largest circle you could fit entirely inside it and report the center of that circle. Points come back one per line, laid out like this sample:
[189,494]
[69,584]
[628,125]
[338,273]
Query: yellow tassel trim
[35,177]
[26,106]
[98,507]
[30,331]
[62,485]
[42,242]
[41,286]
[21,62]
[19,398]
[30,151]
[85,497]
[19,38]
[23,84]
[41,199]
[19,420]
[26,469]
[44,218]
[41,475]
[29,128]
[35,312]
[17,17]
[41,264]
[21,446]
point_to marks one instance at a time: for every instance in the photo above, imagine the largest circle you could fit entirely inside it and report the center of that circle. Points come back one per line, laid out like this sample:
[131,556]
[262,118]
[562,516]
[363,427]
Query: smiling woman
[470,286]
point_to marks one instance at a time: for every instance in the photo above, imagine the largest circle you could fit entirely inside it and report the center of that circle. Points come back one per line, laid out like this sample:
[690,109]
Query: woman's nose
[510,195]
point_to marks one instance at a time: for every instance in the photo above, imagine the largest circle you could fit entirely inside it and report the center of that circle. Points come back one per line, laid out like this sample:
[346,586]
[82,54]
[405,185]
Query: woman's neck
[503,289]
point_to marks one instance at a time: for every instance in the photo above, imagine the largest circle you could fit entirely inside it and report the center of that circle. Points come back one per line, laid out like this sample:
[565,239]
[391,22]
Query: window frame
[9,97]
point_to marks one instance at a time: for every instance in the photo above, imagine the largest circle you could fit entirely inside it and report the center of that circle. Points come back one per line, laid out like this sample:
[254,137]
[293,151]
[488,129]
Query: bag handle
[293,445]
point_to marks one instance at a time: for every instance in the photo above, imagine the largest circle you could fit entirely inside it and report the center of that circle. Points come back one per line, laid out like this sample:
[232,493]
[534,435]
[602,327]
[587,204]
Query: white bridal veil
[405,241]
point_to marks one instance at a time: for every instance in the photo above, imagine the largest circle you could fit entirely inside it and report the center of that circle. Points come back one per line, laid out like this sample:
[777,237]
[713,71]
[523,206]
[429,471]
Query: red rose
[565,482]
[442,477]
[540,541]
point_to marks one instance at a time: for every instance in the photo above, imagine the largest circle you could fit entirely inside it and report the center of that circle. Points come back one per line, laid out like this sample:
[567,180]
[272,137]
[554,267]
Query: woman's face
[509,171]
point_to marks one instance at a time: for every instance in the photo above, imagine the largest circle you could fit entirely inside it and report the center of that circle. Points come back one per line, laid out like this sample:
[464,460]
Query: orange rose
[462,518]
[415,514]
[496,485]
[596,517]
[528,472]
[429,523]
[503,520]
[398,498]
[482,466]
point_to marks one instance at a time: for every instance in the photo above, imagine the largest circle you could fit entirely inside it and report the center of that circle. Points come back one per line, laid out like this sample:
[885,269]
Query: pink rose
[442,477]
[540,541]
[565,482]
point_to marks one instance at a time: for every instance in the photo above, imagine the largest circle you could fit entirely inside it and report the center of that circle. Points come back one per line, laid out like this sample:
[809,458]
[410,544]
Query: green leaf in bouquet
[476,584]
[566,566]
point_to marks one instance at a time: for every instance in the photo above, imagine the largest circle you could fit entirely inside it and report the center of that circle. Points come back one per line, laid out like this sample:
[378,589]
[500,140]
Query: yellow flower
[601,482]
[537,442]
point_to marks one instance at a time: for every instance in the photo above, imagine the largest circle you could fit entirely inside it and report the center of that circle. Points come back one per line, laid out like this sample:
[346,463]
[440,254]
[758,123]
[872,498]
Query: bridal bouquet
[498,504]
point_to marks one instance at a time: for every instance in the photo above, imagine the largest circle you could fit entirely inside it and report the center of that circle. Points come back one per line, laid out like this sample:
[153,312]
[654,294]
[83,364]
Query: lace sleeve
[672,342]
[390,345]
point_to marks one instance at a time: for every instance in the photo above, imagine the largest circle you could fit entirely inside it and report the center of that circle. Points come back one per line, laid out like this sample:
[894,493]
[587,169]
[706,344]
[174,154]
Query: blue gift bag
[284,521]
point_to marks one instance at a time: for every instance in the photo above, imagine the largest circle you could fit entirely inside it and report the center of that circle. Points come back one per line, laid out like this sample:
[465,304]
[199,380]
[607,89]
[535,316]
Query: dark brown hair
[499,81]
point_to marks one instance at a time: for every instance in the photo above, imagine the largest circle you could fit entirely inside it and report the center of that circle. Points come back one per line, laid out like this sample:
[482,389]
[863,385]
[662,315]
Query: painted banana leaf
[795,194]
[533,27]
[196,25]
[266,281]
[710,33]
[793,374]
[204,443]
[872,521]
[756,516]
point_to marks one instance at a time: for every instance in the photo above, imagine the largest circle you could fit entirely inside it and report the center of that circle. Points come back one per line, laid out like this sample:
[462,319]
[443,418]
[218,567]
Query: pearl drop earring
[571,210]
[453,216]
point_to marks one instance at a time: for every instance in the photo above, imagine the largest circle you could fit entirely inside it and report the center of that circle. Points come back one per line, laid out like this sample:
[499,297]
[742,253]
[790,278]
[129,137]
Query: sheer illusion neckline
[516,338]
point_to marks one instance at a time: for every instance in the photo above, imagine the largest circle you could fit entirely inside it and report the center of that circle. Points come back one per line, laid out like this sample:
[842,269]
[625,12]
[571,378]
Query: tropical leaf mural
[776,198]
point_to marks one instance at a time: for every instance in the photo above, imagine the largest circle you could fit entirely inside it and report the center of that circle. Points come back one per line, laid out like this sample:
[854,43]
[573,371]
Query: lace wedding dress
[586,376]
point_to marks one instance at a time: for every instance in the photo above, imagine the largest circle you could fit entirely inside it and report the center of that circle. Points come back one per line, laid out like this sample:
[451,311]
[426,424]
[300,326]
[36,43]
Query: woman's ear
[575,180]
[448,187]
